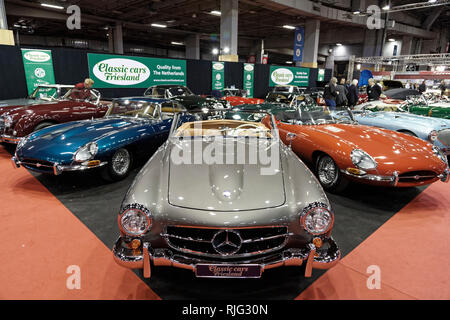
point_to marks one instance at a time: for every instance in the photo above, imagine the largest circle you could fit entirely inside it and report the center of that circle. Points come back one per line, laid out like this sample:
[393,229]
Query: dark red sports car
[48,105]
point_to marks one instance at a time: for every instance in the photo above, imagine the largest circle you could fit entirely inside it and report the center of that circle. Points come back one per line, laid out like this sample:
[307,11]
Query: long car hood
[222,187]
[383,145]
[408,119]
[6,105]
[191,100]
[63,141]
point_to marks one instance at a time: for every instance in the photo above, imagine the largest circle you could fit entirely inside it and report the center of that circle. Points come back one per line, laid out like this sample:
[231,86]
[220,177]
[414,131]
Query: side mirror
[290,136]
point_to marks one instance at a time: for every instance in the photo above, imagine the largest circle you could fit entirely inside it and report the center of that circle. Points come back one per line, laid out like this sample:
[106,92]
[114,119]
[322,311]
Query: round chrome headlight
[440,154]
[135,220]
[86,152]
[317,219]
[8,121]
[363,160]
[432,136]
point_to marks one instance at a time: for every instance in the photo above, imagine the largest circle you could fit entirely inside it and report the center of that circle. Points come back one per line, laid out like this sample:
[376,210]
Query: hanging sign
[38,66]
[114,71]
[249,69]
[288,75]
[299,41]
[321,75]
[218,75]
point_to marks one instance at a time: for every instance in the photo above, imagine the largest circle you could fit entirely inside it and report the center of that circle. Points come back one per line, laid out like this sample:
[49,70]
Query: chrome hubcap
[327,171]
[121,162]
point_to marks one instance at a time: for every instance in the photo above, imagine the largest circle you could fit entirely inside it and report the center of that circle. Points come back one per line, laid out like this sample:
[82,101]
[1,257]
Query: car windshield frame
[94,98]
[311,120]
[56,96]
[157,114]
[220,114]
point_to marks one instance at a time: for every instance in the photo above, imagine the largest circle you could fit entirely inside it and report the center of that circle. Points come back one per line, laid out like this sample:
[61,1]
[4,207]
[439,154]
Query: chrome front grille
[444,136]
[415,176]
[202,241]
[40,165]
[2,125]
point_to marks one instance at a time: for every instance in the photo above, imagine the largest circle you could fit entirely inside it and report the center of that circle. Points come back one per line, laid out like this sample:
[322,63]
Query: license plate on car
[228,271]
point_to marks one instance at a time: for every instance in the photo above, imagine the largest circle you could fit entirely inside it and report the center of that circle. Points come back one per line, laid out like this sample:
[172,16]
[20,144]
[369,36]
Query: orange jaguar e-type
[341,150]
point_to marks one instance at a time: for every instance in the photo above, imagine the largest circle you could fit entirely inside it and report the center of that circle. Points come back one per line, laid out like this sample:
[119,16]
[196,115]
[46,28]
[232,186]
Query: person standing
[373,90]
[422,87]
[442,87]
[341,98]
[82,90]
[353,94]
[330,93]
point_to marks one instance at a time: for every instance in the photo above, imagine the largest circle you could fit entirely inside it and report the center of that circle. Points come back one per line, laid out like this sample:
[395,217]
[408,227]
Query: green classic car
[423,107]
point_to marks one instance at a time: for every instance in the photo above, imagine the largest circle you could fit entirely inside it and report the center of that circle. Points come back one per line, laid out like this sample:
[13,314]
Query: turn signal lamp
[135,244]
[317,242]
[93,163]
[355,171]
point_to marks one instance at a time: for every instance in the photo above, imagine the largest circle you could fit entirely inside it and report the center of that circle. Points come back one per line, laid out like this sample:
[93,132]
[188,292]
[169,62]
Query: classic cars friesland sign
[288,75]
[248,78]
[112,71]
[218,75]
[38,66]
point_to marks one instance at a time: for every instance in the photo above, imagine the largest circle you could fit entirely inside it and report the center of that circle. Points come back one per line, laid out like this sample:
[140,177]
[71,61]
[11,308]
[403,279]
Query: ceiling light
[288,27]
[432,1]
[356,12]
[289,62]
[215,51]
[391,39]
[386,7]
[226,50]
[339,44]
[177,43]
[216,13]
[52,6]
[157,25]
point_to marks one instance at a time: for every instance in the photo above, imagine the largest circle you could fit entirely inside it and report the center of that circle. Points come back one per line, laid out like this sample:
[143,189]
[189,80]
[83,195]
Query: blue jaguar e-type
[434,130]
[132,127]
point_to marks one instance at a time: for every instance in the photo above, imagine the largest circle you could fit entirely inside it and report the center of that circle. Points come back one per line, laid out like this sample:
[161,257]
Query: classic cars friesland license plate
[228,271]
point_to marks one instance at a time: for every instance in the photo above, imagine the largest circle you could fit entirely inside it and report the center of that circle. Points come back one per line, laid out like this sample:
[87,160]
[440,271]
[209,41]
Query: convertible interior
[223,128]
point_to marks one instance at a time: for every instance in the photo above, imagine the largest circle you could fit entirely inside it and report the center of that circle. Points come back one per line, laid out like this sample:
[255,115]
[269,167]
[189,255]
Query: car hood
[410,118]
[381,144]
[6,105]
[222,187]
[194,100]
[60,142]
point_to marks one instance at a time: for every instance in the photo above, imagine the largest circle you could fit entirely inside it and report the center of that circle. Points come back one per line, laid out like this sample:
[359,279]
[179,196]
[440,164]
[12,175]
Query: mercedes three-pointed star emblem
[227,242]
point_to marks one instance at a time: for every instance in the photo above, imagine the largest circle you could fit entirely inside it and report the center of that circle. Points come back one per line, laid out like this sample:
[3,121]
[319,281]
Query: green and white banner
[248,78]
[218,75]
[113,71]
[321,75]
[289,75]
[38,66]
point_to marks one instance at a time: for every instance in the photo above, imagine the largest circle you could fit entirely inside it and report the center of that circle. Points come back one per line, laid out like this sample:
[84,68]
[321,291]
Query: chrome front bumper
[57,169]
[140,259]
[10,139]
[445,176]
[392,180]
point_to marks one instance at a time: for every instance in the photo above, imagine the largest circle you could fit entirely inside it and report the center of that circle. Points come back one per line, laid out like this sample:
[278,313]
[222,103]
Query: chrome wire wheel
[120,162]
[327,171]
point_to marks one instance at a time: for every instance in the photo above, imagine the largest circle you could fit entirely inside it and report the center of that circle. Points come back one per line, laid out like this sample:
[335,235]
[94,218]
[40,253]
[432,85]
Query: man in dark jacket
[422,87]
[341,99]
[353,94]
[373,90]
[330,93]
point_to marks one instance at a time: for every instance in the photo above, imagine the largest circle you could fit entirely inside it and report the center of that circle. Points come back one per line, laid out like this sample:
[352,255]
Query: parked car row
[227,193]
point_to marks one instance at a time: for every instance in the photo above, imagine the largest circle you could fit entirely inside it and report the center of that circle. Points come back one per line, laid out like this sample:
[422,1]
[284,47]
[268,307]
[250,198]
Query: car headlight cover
[432,136]
[440,154]
[86,152]
[317,219]
[8,121]
[135,220]
[363,160]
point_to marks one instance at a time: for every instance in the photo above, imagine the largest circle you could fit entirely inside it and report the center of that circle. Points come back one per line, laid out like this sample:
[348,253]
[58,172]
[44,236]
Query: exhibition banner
[113,71]
[321,75]
[289,75]
[249,68]
[218,75]
[38,66]
[299,41]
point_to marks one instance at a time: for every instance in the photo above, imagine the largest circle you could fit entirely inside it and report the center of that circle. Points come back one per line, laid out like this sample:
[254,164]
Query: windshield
[310,117]
[216,123]
[179,91]
[90,95]
[48,93]
[144,109]
[282,97]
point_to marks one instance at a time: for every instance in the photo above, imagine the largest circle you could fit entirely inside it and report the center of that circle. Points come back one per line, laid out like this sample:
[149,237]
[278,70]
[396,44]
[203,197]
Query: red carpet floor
[41,238]
[412,251]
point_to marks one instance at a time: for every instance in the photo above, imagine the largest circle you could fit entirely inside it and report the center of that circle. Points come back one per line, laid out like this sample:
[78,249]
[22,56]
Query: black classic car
[186,97]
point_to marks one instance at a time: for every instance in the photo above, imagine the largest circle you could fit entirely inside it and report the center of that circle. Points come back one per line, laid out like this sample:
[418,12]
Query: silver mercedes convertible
[226,199]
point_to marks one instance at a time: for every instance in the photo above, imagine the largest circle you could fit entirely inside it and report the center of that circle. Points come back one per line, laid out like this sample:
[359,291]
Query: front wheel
[329,175]
[119,167]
